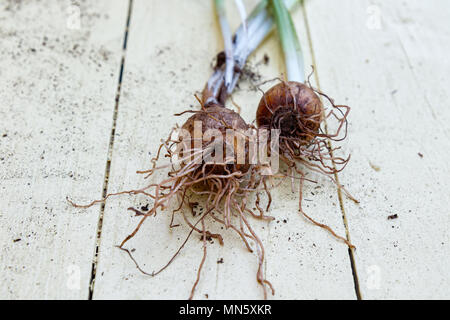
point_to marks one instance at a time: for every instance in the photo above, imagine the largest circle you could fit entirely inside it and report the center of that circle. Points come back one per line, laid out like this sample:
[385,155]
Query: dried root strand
[297,111]
[202,261]
[226,188]
[321,225]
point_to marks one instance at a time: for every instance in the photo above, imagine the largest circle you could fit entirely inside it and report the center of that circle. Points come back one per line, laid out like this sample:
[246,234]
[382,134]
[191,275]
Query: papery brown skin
[211,115]
[219,118]
[276,110]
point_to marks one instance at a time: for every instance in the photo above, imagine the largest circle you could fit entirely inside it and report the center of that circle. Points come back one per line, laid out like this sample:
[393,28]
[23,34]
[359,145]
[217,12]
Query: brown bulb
[216,117]
[221,119]
[276,110]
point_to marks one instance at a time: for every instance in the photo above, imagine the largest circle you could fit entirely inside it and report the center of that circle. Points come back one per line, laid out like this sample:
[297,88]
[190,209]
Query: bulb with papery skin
[293,108]
[220,119]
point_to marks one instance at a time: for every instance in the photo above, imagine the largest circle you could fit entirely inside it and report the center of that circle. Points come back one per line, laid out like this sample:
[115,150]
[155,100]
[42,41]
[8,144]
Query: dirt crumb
[208,238]
[374,167]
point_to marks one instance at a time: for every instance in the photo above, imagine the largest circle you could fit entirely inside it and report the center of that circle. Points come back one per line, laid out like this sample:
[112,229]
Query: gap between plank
[341,200]
[109,155]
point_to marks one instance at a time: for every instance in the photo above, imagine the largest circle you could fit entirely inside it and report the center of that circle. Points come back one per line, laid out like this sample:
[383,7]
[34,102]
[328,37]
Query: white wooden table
[68,129]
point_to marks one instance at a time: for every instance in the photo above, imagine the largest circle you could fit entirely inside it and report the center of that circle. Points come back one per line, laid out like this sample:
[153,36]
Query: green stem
[289,42]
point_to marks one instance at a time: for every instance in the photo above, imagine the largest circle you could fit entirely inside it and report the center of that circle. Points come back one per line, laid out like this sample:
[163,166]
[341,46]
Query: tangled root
[226,191]
[297,112]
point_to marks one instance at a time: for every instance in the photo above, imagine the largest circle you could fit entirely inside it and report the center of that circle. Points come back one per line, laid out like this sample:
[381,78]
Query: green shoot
[289,42]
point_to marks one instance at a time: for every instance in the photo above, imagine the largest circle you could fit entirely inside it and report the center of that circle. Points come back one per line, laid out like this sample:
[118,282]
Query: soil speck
[374,167]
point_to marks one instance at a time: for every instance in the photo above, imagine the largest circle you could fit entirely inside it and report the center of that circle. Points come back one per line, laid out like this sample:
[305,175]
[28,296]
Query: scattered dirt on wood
[266,59]
[248,73]
[208,238]
[137,212]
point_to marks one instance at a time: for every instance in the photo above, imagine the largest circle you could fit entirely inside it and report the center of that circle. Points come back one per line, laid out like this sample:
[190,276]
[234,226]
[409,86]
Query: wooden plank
[170,48]
[390,63]
[59,66]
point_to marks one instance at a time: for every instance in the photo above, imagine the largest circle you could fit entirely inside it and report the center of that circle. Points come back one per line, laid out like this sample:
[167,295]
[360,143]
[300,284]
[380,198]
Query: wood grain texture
[168,60]
[58,81]
[389,61]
